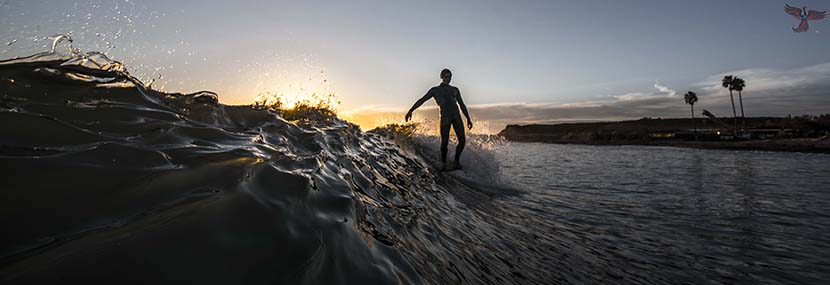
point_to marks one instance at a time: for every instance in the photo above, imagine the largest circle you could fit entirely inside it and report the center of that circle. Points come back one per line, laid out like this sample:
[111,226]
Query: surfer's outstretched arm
[418,104]
[464,110]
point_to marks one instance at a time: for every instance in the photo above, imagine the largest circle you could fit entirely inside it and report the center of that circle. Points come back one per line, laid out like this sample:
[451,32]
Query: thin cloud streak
[664,89]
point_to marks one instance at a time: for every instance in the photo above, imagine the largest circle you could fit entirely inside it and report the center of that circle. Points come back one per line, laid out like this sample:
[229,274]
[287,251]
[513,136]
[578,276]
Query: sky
[515,62]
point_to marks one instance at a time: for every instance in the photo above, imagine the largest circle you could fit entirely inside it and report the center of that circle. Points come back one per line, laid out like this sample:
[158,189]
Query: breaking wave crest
[106,177]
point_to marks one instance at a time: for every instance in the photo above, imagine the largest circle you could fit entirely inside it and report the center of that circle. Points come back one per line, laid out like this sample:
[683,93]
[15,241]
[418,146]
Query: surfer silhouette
[448,98]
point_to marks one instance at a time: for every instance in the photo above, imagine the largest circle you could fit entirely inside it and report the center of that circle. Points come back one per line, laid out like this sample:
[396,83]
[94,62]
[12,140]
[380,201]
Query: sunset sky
[515,61]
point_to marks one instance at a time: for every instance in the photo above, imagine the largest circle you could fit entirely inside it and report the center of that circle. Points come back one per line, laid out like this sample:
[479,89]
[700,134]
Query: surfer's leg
[445,139]
[458,126]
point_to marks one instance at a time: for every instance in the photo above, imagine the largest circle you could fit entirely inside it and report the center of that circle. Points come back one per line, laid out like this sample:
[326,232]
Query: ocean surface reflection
[654,214]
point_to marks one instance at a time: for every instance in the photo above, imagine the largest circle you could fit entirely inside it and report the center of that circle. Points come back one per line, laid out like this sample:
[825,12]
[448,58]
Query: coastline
[799,134]
[821,146]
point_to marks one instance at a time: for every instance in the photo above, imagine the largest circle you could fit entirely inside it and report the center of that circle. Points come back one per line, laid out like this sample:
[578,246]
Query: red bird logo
[803,15]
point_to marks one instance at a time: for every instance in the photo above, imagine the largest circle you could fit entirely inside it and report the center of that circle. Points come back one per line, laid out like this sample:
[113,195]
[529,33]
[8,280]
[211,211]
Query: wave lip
[106,171]
[106,178]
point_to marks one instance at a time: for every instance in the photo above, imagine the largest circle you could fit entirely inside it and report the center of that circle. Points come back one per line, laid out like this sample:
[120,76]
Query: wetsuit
[448,98]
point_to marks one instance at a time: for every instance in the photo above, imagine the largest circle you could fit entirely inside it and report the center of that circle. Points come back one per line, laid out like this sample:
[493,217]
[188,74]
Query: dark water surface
[655,214]
[103,180]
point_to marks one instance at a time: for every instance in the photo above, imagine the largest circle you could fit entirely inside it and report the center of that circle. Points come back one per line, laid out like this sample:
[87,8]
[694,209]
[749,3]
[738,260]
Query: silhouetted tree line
[808,126]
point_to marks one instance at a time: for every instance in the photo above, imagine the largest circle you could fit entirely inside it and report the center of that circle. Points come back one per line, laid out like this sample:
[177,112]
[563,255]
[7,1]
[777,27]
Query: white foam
[478,158]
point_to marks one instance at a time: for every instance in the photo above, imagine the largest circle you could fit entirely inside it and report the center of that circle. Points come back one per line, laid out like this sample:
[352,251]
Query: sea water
[663,214]
[105,180]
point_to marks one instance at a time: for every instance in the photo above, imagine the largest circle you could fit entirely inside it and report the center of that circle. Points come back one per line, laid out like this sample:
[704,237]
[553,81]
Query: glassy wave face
[107,180]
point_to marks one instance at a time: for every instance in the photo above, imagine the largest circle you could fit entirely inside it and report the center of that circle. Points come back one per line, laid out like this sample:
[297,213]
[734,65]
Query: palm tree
[738,85]
[729,82]
[691,99]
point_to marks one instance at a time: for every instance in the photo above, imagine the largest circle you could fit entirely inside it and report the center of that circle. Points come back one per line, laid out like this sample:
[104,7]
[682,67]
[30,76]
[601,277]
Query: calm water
[653,214]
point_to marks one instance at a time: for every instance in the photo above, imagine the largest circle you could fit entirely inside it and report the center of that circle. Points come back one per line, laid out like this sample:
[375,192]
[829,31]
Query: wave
[106,179]
[482,170]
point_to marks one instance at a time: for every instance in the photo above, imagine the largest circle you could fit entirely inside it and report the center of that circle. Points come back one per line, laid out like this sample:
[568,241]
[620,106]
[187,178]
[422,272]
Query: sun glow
[287,75]
[295,86]
[426,117]
[372,117]
[296,99]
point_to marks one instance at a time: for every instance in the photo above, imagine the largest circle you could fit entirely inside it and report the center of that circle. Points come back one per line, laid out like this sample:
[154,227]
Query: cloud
[664,89]
[769,92]
[776,92]
[771,79]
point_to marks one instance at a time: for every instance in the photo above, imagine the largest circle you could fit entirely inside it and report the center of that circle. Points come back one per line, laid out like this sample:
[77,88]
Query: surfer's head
[446,75]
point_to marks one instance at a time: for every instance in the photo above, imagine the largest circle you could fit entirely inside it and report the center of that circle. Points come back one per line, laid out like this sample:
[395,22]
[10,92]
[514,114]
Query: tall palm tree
[691,98]
[729,82]
[738,85]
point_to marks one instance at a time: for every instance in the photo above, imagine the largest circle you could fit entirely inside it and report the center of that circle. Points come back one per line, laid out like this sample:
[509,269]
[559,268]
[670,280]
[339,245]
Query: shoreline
[820,146]
[805,134]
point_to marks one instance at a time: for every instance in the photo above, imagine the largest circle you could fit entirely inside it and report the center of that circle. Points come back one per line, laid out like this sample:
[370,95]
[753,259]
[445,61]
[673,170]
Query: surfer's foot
[458,166]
